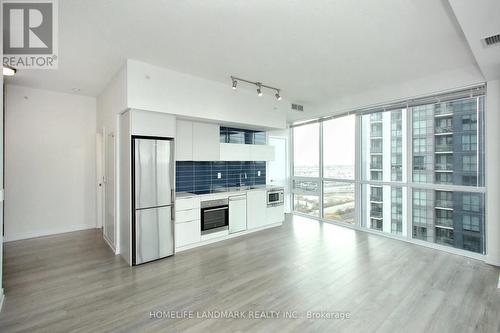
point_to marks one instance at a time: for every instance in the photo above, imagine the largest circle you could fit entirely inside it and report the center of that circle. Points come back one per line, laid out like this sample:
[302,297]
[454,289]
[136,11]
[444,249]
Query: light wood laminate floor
[73,283]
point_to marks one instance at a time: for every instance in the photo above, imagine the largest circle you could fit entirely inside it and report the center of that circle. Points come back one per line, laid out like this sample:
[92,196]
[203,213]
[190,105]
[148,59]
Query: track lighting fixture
[259,86]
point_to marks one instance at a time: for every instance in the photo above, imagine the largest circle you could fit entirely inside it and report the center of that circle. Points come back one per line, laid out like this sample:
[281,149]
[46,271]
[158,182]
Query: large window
[383,204]
[306,197]
[338,201]
[415,171]
[306,188]
[328,192]
[306,151]
[339,148]
[449,153]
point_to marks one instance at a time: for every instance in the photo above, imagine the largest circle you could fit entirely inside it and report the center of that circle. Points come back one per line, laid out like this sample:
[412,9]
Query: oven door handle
[214,209]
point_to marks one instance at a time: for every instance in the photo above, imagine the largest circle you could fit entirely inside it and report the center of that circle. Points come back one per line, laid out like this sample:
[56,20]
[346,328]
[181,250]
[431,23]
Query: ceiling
[316,51]
[480,20]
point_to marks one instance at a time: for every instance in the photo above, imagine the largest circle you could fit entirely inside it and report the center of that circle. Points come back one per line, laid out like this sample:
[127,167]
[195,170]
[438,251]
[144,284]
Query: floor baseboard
[47,233]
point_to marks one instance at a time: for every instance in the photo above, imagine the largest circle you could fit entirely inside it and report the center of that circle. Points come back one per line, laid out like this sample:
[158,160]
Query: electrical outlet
[219,175]
[258,173]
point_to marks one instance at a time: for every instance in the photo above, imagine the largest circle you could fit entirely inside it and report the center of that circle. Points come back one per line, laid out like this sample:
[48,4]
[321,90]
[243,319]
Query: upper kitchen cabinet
[244,145]
[243,152]
[206,146]
[261,153]
[197,141]
[234,152]
[184,141]
[147,123]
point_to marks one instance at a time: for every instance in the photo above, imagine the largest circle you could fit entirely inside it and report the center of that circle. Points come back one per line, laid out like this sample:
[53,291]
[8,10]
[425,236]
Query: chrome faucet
[244,174]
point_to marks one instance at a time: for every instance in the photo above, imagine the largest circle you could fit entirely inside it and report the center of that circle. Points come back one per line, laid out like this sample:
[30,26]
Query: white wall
[492,156]
[1,173]
[160,89]
[50,183]
[284,134]
[384,94]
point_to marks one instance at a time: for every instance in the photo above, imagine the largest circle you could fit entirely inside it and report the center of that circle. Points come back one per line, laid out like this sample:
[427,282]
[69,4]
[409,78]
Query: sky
[339,142]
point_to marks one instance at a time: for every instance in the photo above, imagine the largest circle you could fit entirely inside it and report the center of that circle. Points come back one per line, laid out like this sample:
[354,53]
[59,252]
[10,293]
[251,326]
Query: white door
[109,190]
[277,170]
[99,151]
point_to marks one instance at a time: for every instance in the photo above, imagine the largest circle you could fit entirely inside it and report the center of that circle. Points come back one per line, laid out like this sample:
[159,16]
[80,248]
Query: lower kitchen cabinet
[275,214]
[187,233]
[237,213]
[256,209]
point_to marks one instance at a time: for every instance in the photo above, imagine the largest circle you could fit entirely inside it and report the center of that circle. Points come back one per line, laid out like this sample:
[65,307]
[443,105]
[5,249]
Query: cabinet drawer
[187,215]
[187,233]
[187,204]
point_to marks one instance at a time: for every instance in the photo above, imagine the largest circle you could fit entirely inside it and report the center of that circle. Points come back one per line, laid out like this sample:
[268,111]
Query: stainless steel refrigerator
[153,191]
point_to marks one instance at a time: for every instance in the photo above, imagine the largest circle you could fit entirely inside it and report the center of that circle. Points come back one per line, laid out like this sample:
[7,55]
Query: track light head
[278,96]
[259,89]
[235,83]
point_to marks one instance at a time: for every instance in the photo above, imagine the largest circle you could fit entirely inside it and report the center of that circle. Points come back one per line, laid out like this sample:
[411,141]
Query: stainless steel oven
[275,197]
[214,215]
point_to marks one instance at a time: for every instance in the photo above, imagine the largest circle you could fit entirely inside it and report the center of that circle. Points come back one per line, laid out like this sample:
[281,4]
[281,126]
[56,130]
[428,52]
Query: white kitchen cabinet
[237,213]
[234,152]
[261,153]
[184,141]
[187,215]
[243,152]
[206,142]
[150,123]
[187,233]
[275,214]
[187,203]
[256,208]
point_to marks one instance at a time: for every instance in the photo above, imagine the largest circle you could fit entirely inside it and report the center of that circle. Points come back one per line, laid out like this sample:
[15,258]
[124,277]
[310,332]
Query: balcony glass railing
[444,203]
[444,147]
[438,110]
[444,166]
[444,129]
[444,222]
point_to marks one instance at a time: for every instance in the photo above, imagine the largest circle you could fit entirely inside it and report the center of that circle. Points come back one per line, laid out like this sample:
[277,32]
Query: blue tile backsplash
[202,176]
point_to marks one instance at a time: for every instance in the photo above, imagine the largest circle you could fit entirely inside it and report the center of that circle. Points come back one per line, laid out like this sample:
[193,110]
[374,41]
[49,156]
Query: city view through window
[440,145]
[338,169]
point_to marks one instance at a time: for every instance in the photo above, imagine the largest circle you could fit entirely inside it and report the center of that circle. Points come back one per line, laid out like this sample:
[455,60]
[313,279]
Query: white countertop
[229,192]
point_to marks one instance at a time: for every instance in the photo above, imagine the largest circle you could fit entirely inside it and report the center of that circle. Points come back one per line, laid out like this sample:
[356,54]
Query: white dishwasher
[237,213]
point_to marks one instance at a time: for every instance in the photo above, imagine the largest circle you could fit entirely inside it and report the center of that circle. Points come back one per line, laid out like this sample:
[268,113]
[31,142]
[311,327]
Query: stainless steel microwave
[275,197]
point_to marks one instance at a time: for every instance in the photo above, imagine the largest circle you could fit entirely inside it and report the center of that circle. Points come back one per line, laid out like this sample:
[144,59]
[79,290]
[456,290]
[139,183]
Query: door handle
[214,209]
